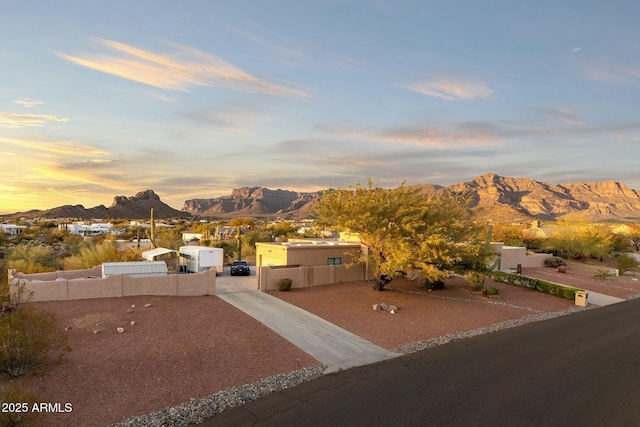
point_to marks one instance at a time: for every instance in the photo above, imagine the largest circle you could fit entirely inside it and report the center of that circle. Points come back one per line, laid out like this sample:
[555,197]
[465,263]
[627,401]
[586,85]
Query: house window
[334,261]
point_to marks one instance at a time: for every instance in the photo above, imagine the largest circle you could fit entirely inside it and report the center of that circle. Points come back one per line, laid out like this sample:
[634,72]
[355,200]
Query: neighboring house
[84,229]
[12,229]
[189,236]
[511,256]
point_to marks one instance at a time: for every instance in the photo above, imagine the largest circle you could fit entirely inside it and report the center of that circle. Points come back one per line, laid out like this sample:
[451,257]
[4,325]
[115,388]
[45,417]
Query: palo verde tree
[404,229]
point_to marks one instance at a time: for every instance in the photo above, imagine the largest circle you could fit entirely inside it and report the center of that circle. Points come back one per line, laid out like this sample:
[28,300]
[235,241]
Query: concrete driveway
[226,283]
[331,345]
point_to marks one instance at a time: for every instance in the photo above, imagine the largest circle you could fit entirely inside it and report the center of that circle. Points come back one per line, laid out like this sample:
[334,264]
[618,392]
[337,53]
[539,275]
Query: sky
[194,98]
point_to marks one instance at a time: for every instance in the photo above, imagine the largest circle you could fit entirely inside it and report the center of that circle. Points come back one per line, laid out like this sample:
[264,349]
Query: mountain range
[492,196]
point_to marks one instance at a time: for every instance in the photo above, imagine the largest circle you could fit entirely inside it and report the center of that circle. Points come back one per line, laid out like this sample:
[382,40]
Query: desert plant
[626,263]
[284,285]
[16,407]
[604,274]
[492,291]
[436,285]
[29,339]
[476,286]
[554,261]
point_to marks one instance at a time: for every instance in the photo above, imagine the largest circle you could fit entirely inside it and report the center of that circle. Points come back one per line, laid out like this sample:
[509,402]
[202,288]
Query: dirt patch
[96,322]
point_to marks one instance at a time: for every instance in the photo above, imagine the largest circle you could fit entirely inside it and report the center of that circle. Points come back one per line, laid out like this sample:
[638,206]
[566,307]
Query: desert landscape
[193,347]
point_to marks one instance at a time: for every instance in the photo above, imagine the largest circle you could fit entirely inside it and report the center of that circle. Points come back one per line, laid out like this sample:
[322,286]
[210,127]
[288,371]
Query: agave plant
[604,274]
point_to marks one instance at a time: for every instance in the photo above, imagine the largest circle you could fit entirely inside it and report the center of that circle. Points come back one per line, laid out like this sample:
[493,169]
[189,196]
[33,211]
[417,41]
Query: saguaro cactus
[152,234]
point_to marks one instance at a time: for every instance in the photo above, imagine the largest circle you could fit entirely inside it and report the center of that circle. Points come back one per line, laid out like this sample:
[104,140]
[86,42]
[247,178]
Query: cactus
[152,235]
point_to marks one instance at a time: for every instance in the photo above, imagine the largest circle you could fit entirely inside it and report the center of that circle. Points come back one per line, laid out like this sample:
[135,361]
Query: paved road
[577,370]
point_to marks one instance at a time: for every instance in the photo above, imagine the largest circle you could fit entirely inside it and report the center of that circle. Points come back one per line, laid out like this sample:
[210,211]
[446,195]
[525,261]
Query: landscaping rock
[133,323]
[120,330]
[129,310]
[392,308]
[376,307]
[384,306]
[147,305]
[96,332]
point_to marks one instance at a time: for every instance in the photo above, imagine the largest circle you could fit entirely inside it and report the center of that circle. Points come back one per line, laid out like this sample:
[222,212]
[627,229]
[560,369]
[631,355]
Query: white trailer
[194,259]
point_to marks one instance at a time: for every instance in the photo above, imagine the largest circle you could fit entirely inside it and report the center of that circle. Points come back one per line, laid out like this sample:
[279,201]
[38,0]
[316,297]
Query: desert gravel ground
[191,347]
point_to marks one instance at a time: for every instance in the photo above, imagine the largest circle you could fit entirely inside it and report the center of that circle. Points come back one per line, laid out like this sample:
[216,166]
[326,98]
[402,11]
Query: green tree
[634,235]
[575,236]
[282,229]
[404,229]
[509,234]
[244,222]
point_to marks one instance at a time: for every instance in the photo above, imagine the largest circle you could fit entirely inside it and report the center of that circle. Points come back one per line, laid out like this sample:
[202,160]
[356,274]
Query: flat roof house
[12,229]
[307,253]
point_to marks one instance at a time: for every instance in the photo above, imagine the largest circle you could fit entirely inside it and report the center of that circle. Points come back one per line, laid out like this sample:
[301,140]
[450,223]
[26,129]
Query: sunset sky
[194,98]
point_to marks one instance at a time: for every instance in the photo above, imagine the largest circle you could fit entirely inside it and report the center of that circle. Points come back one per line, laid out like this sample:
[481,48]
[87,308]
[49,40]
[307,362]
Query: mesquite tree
[405,229]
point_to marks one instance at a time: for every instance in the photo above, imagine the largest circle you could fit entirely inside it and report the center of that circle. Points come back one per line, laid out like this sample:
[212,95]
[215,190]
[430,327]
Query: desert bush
[284,285]
[626,263]
[476,286]
[95,254]
[29,339]
[29,258]
[554,261]
[20,415]
[492,291]
[604,274]
[435,285]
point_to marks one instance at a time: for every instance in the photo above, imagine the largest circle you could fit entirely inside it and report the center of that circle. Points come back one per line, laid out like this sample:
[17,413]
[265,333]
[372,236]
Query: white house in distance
[85,229]
[12,229]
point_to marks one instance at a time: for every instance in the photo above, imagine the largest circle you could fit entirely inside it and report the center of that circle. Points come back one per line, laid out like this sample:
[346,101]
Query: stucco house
[305,253]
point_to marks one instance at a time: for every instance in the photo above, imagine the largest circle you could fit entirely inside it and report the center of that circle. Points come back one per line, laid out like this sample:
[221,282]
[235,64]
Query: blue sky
[195,98]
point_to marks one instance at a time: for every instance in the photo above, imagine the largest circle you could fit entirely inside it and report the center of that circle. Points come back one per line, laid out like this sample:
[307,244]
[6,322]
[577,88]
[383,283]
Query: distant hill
[255,201]
[525,197]
[136,207]
[492,196]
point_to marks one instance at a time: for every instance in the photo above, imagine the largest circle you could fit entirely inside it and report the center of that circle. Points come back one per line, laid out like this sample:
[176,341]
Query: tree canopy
[406,229]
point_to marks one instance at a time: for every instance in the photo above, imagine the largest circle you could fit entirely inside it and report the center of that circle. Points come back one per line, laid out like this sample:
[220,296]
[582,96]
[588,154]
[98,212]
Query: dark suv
[240,268]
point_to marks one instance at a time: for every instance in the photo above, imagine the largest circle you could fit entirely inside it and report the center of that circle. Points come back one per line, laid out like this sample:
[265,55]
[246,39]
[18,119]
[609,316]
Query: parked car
[240,268]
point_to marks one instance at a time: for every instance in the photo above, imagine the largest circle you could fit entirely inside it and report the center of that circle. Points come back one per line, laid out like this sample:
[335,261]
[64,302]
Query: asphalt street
[577,370]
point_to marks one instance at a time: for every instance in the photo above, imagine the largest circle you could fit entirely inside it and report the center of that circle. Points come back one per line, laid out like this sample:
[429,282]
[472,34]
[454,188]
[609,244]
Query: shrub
[626,263]
[554,261]
[17,416]
[436,285]
[284,285]
[492,291]
[29,338]
[604,274]
[535,284]
[476,286]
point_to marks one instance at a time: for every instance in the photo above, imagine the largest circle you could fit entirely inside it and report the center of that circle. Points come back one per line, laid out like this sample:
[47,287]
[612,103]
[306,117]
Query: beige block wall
[303,277]
[510,257]
[114,286]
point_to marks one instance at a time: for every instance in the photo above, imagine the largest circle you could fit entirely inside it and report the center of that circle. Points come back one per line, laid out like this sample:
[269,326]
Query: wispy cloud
[27,102]
[179,70]
[460,134]
[607,70]
[66,148]
[449,89]
[562,114]
[18,120]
